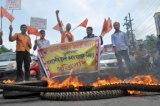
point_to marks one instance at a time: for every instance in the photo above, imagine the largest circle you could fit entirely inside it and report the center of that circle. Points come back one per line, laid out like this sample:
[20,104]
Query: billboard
[13,4]
[38,23]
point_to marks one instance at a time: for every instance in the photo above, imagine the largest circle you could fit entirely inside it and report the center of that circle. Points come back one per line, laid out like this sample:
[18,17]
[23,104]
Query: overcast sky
[75,11]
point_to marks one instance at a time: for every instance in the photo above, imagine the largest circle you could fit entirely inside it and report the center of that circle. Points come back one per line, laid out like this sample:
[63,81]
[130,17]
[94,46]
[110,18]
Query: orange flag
[5,13]
[84,23]
[57,27]
[32,30]
[107,26]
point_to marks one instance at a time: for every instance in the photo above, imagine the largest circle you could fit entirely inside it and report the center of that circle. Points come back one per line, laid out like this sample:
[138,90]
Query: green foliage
[4,49]
[150,43]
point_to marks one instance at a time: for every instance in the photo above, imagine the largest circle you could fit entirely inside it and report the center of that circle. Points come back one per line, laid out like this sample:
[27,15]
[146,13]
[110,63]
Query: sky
[75,11]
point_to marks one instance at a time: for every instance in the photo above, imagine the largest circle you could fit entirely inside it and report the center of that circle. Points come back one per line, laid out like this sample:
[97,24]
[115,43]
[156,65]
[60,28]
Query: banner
[157,22]
[68,58]
[13,4]
[38,23]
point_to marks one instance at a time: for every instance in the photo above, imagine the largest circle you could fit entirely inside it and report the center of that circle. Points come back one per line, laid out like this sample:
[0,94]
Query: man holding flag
[23,46]
[66,36]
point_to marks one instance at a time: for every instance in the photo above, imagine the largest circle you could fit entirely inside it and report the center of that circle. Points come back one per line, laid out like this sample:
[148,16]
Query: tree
[150,43]
[4,49]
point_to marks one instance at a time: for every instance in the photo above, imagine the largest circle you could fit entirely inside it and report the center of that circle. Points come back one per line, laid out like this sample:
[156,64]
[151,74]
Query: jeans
[123,54]
[23,57]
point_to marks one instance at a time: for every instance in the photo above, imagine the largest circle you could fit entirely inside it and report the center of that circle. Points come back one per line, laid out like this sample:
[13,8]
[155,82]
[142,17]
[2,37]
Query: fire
[8,81]
[108,80]
[142,79]
[70,81]
[76,83]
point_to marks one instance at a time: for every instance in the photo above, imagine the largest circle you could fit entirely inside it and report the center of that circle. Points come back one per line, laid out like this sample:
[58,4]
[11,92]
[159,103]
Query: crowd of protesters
[120,42]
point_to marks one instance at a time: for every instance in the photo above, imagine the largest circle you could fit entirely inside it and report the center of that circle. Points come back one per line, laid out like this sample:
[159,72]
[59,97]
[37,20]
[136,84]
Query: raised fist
[57,11]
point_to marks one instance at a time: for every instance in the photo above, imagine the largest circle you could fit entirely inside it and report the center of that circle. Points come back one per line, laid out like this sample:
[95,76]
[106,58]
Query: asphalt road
[147,100]
[150,99]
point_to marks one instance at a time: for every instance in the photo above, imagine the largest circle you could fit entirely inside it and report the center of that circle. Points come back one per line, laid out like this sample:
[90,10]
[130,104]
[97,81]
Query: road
[150,100]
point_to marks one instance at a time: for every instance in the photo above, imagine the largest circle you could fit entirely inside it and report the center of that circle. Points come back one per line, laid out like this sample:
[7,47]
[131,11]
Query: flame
[75,82]
[8,81]
[142,79]
[108,80]
[70,81]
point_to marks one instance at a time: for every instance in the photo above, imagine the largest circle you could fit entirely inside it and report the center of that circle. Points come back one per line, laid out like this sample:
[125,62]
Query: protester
[66,35]
[1,41]
[23,46]
[142,59]
[41,43]
[89,31]
[120,43]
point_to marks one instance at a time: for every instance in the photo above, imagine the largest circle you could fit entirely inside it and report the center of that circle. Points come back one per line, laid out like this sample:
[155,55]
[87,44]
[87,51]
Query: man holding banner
[90,34]
[23,46]
[66,36]
[41,43]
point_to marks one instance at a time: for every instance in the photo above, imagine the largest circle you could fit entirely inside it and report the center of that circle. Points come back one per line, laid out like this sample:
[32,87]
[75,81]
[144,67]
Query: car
[108,61]
[7,63]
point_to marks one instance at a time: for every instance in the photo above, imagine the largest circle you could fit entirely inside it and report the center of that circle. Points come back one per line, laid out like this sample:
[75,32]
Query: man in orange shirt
[66,36]
[23,46]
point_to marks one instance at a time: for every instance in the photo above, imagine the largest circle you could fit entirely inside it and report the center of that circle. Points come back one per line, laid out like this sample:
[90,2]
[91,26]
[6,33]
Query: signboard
[66,58]
[13,4]
[38,23]
[157,22]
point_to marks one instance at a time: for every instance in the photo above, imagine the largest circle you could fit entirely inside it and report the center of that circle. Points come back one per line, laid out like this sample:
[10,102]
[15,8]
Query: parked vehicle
[7,63]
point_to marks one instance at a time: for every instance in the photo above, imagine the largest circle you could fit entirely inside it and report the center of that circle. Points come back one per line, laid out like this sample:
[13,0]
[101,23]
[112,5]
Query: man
[66,36]
[89,31]
[142,59]
[1,41]
[41,43]
[120,43]
[23,46]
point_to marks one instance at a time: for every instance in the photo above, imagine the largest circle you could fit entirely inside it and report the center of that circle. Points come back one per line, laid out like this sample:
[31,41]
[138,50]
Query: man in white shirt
[120,43]
[41,43]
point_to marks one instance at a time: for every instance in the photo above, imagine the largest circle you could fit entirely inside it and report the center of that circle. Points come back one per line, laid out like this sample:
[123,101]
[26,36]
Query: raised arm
[10,34]
[59,22]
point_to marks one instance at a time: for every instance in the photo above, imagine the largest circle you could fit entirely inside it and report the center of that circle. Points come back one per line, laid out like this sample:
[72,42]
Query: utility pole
[129,29]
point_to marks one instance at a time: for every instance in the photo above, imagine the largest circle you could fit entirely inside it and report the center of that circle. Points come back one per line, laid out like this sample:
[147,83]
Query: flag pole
[12,15]
[1,17]
[74,28]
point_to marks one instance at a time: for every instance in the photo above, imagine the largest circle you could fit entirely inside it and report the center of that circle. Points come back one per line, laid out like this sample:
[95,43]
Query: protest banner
[38,23]
[13,4]
[68,58]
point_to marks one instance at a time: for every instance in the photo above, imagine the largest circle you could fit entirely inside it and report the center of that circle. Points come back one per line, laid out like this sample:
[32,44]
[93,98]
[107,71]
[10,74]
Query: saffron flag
[32,30]
[5,13]
[57,27]
[84,23]
[107,26]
